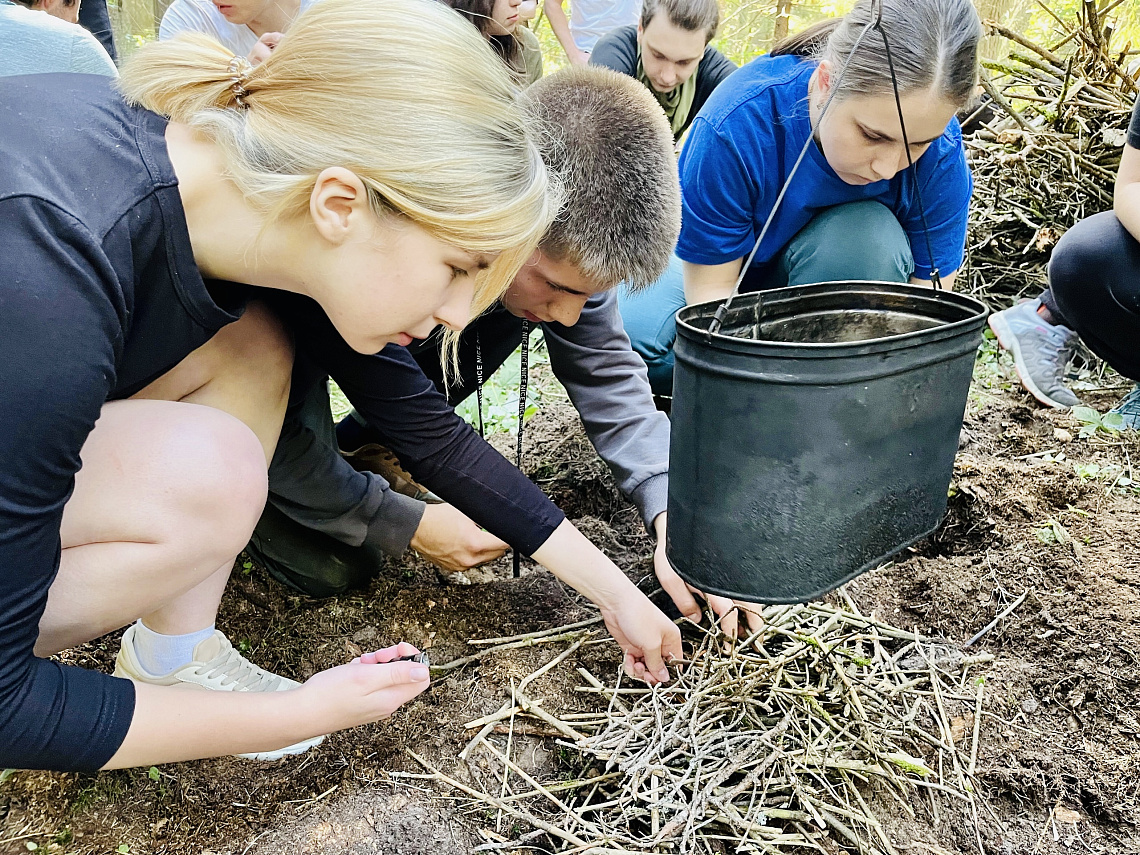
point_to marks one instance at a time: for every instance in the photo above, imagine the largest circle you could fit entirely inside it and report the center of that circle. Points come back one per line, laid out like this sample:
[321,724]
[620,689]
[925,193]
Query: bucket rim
[978,312]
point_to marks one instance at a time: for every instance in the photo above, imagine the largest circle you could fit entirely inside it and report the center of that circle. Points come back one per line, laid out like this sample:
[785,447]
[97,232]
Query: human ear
[338,204]
[823,78]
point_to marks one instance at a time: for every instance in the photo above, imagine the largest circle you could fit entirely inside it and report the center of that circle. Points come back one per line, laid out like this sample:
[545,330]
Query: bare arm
[704,282]
[556,14]
[172,724]
[1126,197]
[650,640]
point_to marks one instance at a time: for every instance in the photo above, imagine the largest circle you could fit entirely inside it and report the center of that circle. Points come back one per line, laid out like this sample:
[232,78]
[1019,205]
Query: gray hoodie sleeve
[608,385]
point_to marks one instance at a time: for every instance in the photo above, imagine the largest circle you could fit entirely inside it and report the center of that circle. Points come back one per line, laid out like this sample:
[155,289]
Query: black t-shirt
[617,49]
[99,295]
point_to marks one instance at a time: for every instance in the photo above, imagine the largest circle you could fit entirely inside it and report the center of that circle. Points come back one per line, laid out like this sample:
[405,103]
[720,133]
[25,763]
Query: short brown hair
[605,136]
[686,14]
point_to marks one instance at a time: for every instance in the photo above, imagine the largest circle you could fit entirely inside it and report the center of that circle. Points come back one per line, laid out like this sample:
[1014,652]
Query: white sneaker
[216,667]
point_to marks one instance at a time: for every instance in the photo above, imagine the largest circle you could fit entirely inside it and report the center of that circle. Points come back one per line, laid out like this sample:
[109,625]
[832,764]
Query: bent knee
[857,240]
[221,480]
[1080,257]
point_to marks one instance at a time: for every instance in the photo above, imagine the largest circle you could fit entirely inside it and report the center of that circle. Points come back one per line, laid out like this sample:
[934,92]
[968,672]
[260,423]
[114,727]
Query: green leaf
[153,773]
[1087,415]
[6,774]
[124,849]
[1113,421]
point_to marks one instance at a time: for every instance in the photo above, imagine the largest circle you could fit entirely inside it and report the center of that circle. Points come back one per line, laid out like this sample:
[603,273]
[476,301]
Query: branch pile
[1048,156]
[790,742]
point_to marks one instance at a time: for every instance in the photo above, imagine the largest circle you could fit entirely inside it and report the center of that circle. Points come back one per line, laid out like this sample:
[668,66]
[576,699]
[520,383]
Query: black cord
[935,278]
[479,380]
[524,374]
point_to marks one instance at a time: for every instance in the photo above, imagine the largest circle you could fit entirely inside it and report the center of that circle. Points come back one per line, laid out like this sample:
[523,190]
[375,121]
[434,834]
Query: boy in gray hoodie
[613,152]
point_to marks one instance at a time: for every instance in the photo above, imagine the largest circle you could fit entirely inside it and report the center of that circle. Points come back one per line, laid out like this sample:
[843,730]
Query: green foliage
[1092,421]
[501,392]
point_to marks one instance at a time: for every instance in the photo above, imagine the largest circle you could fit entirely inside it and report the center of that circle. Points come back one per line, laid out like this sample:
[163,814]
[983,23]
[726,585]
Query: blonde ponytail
[405,93]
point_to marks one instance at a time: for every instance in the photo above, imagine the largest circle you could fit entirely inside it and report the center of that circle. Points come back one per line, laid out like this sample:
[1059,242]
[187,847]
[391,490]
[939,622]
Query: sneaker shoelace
[1130,404]
[231,668]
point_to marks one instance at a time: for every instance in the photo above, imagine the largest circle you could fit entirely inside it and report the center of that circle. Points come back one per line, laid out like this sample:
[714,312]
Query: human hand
[450,540]
[369,688]
[265,46]
[578,57]
[683,594]
[649,639]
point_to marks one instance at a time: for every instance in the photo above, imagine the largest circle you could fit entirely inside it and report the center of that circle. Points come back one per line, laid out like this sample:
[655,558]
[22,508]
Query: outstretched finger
[728,615]
[680,593]
[388,654]
[391,675]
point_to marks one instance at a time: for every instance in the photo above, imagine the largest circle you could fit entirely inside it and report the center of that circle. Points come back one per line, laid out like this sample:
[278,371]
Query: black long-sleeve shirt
[99,295]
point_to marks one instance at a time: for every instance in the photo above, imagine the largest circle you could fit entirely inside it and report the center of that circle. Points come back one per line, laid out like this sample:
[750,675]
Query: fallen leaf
[1064,814]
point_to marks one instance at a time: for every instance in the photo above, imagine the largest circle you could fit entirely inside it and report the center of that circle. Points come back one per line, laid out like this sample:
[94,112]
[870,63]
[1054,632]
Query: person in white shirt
[43,37]
[237,24]
[589,21]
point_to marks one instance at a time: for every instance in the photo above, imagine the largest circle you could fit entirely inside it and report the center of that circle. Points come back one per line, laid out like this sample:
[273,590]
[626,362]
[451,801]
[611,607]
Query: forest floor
[1036,509]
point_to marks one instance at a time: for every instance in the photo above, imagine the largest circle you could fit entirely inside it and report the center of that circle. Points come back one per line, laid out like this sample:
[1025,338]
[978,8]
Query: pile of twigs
[1048,156]
[784,743]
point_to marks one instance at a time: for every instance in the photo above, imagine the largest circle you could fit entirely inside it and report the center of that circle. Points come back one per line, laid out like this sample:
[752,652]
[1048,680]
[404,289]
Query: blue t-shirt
[743,145]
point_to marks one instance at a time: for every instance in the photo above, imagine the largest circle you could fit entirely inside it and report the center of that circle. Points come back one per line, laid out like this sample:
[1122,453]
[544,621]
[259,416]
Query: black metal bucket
[814,437]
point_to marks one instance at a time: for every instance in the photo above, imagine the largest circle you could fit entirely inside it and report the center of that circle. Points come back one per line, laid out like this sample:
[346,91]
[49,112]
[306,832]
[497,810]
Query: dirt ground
[1036,510]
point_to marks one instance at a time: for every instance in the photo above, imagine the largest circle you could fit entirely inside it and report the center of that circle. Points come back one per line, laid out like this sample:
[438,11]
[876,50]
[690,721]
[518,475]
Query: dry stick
[518,813]
[977,730]
[947,734]
[539,788]
[542,633]
[508,709]
[514,645]
[989,626]
[1000,100]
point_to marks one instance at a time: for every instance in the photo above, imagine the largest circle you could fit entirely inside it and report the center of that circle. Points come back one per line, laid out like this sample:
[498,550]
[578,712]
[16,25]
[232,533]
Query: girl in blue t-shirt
[852,208]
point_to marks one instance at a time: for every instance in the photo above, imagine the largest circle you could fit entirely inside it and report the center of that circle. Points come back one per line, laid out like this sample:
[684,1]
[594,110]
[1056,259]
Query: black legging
[1094,288]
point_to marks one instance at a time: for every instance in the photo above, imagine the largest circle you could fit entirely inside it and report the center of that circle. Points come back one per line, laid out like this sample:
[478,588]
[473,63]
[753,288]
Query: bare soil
[1060,736]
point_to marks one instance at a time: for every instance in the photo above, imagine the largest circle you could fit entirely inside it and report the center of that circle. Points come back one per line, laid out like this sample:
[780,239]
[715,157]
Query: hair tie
[239,74]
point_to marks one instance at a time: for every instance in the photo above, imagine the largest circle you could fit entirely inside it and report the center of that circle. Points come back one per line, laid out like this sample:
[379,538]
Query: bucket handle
[876,23]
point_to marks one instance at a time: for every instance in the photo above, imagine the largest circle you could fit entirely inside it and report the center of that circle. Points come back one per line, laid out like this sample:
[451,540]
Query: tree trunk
[783,16]
[1003,12]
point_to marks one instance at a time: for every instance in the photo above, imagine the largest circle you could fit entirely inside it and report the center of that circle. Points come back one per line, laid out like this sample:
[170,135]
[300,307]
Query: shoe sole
[1008,341]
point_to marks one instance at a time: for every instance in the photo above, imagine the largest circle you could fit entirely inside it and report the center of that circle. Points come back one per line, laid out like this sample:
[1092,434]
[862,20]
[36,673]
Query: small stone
[1029,706]
[1062,435]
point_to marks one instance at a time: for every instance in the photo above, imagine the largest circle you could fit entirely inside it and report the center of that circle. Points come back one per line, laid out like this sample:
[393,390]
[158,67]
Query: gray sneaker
[1129,408]
[1041,352]
[216,667]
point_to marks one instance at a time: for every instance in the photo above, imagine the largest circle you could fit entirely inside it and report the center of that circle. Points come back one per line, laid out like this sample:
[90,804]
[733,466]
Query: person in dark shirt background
[669,51]
[94,18]
[1093,295]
